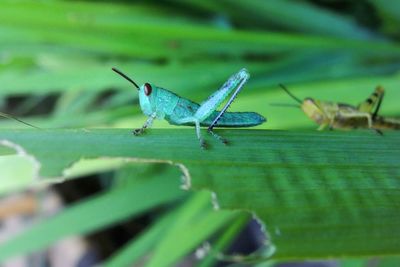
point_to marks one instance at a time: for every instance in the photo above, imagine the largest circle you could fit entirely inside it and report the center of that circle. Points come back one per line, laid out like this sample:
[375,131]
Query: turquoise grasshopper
[159,103]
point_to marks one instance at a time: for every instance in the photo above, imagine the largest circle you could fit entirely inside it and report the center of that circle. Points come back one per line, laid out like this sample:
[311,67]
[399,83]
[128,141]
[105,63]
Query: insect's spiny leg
[227,104]
[221,139]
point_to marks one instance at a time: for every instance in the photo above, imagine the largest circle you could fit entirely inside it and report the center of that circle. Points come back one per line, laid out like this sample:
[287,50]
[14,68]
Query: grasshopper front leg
[146,125]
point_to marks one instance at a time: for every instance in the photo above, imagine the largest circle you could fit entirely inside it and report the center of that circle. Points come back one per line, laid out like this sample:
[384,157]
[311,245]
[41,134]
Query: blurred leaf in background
[55,72]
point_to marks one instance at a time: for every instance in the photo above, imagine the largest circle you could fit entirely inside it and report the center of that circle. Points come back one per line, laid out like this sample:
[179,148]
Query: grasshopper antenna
[15,118]
[290,94]
[126,77]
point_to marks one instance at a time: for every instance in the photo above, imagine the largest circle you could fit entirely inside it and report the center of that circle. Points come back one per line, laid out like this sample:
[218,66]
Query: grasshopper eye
[147,89]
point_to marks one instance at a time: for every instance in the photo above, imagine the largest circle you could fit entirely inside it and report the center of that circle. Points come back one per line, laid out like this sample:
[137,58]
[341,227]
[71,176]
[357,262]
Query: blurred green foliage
[55,72]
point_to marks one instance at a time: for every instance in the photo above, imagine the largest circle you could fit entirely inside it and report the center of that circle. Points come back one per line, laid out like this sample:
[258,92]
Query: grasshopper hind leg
[218,137]
[233,84]
[236,81]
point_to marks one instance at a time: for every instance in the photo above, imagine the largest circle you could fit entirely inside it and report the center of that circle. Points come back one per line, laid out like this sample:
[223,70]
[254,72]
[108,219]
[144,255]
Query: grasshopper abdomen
[186,108]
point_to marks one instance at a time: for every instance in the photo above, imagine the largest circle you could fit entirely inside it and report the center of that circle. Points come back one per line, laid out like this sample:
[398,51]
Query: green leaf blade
[320,194]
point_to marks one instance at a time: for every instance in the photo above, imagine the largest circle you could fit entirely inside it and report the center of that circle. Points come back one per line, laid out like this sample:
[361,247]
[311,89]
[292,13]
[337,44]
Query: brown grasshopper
[343,116]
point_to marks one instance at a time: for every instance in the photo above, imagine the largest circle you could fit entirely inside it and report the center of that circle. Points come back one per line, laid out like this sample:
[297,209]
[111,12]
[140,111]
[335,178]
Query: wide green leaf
[340,188]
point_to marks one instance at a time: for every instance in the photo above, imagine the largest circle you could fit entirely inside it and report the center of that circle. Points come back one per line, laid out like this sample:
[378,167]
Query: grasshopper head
[147,93]
[312,109]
